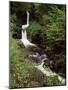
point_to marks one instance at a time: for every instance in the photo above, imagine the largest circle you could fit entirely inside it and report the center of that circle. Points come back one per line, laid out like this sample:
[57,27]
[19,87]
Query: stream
[40,59]
[38,56]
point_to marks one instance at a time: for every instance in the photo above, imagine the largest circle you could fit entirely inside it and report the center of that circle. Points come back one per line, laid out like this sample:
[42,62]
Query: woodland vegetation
[47,30]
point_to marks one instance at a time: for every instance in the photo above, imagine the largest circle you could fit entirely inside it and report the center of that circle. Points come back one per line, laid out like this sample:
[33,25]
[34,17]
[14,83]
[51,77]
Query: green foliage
[22,71]
[13,19]
[56,27]
[14,27]
[50,18]
[47,30]
[50,81]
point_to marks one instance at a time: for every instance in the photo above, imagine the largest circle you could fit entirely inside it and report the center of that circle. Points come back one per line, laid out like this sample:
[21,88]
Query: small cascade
[47,71]
[24,39]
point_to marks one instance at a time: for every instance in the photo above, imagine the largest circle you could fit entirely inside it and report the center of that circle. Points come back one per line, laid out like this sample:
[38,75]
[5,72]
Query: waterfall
[37,57]
[24,39]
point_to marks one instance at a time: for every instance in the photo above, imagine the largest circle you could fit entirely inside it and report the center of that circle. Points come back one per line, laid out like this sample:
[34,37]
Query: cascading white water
[28,44]
[24,39]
